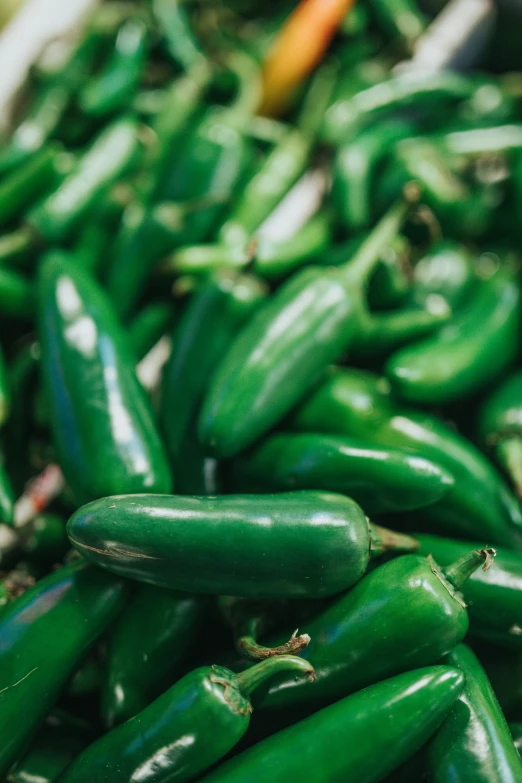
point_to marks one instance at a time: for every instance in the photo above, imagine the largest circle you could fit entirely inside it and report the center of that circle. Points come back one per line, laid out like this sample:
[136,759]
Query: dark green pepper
[111,153]
[480,342]
[360,404]
[50,753]
[44,635]
[380,480]
[307,324]
[211,321]
[101,422]
[148,640]
[500,427]
[474,742]
[186,730]
[494,597]
[349,740]
[112,89]
[314,544]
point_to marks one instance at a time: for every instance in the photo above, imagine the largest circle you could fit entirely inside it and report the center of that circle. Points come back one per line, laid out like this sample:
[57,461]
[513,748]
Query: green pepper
[279,355]
[32,179]
[494,597]
[447,270]
[380,480]
[216,312]
[111,153]
[405,613]
[474,742]
[348,740]
[87,678]
[314,544]
[49,754]
[100,418]
[186,730]
[50,104]
[360,404]
[500,427]
[112,89]
[44,634]
[356,164]
[147,642]
[481,342]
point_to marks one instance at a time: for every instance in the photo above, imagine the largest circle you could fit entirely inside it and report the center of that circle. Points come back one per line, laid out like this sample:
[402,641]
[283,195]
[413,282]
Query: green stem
[459,572]
[383,540]
[249,92]
[358,269]
[249,648]
[246,682]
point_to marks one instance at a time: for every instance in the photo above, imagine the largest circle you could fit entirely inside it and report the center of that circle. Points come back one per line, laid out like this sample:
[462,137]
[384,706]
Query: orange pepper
[298,48]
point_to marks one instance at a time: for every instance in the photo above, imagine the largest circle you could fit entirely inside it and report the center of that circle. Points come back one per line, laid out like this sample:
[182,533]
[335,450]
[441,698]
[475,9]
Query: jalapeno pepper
[348,739]
[44,634]
[110,154]
[207,327]
[186,730]
[474,742]
[111,90]
[50,753]
[500,422]
[482,341]
[147,642]
[150,538]
[279,355]
[381,480]
[353,402]
[101,422]
[494,597]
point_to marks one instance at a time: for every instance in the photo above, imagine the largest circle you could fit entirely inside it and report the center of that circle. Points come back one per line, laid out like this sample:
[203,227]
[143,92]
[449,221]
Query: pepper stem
[458,572]
[509,452]
[246,682]
[357,270]
[383,540]
[249,648]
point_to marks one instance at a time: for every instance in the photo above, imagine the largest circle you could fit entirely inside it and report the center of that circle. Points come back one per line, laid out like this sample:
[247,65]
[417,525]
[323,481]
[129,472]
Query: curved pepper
[148,640]
[494,597]
[357,403]
[186,730]
[380,480]
[307,324]
[111,153]
[347,740]
[481,342]
[44,635]
[103,429]
[474,742]
[500,427]
[112,89]
[209,324]
[314,544]
[404,614]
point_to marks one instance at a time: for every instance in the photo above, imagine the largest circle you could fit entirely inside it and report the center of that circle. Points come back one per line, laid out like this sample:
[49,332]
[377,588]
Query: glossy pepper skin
[481,342]
[380,480]
[348,740]
[51,751]
[186,730]
[111,153]
[447,270]
[500,427]
[404,614]
[474,742]
[494,597]
[171,541]
[148,640]
[44,634]
[358,403]
[212,318]
[102,426]
[112,89]
[307,324]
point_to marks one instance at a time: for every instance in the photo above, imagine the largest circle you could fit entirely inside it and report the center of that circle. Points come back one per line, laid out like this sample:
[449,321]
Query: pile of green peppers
[261,397]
